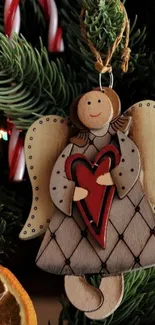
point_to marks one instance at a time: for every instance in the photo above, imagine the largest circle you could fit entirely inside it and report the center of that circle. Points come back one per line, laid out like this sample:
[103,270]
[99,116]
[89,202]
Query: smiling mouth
[96,115]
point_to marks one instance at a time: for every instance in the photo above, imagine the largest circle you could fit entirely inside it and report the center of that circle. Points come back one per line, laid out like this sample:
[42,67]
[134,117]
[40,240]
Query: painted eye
[89,103]
[99,100]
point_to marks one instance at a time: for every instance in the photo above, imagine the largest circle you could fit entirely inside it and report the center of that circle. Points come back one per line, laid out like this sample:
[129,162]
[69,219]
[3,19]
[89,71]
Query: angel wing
[45,140]
[142,132]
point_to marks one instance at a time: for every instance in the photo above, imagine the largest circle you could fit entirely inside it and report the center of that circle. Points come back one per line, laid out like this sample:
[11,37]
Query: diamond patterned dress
[68,247]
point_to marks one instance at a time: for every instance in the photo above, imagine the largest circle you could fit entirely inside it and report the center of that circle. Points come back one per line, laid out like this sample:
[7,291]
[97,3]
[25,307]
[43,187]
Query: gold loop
[104,66]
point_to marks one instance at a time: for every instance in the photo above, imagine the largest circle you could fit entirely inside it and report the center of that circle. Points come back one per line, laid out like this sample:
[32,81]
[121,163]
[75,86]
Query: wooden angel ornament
[91,191]
[103,222]
[95,183]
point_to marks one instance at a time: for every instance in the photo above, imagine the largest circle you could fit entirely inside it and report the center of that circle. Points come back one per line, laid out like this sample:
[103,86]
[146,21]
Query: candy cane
[11,17]
[16,151]
[55,44]
[55,41]
[16,156]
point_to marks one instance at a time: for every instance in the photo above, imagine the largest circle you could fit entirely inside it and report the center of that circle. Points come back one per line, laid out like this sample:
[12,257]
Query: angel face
[95,109]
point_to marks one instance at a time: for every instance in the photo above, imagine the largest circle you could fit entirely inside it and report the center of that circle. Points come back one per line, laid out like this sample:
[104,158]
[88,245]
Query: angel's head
[95,109]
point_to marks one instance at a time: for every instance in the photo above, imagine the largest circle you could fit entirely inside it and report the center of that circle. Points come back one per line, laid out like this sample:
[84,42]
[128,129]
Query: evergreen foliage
[34,82]
[31,85]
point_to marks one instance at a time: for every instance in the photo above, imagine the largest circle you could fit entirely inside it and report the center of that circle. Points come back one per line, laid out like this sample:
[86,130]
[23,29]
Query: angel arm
[62,189]
[127,172]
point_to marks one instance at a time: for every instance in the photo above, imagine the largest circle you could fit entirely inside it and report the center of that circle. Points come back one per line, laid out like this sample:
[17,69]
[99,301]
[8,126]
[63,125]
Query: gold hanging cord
[104,66]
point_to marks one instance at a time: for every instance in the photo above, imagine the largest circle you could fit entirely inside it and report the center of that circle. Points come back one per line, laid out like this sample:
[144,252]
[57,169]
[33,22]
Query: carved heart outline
[108,158]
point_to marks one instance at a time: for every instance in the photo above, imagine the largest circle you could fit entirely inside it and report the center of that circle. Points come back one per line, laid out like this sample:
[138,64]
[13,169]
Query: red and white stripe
[11,17]
[55,41]
[16,155]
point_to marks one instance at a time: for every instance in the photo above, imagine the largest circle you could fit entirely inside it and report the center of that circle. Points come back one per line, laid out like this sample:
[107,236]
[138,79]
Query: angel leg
[81,294]
[112,288]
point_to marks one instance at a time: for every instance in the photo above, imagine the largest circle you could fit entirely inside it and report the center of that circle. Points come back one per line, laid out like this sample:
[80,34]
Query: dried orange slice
[16,307]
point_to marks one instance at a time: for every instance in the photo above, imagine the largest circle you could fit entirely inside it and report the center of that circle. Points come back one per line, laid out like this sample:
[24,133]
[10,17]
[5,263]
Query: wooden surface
[44,141]
[113,290]
[127,172]
[95,109]
[129,238]
[97,303]
[116,104]
[110,93]
[142,132]
[79,194]
[82,295]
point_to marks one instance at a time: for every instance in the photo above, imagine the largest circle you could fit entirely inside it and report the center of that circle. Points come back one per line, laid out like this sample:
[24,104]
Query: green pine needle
[103,22]
[31,85]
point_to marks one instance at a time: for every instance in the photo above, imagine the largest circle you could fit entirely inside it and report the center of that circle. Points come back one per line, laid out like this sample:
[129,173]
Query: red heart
[95,208]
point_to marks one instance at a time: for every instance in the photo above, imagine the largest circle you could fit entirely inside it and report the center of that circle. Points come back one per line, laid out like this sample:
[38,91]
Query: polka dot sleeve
[127,172]
[62,189]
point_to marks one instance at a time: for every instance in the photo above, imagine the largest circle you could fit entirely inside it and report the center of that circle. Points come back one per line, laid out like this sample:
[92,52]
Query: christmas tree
[35,81]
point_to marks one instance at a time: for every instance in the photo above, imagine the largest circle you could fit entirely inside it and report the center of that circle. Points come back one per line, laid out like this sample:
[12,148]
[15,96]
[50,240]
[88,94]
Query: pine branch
[103,21]
[31,85]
